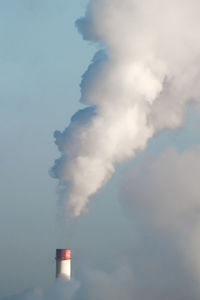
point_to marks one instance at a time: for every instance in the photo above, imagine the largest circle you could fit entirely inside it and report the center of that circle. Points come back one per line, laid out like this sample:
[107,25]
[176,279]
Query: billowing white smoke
[137,84]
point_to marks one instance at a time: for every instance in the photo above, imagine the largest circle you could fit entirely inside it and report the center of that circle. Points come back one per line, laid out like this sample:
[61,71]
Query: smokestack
[63,263]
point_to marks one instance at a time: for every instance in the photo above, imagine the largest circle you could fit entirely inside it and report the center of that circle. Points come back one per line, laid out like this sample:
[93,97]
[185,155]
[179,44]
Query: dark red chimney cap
[63,254]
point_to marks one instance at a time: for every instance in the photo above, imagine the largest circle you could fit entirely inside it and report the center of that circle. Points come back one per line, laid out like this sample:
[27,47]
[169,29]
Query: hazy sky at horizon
[42,59]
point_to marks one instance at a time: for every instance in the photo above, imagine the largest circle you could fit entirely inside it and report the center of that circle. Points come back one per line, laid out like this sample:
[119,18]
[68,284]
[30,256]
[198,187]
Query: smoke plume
[139,82]
[161,197]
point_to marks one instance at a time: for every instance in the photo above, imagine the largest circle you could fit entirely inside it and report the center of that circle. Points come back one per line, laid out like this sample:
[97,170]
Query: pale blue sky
[42,58]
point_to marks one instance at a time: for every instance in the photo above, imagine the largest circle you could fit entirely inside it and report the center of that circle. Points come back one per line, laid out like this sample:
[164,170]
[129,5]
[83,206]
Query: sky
[138,219]
[41,67]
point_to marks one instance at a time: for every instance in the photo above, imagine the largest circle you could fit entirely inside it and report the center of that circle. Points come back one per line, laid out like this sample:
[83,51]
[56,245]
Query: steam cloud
[162,261]
[138,83]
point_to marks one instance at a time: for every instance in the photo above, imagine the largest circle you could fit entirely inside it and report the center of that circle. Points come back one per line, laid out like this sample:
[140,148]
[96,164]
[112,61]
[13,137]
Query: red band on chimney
[63,254]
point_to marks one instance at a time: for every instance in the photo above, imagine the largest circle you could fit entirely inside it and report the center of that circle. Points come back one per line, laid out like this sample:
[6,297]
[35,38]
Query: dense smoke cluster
[138,83]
